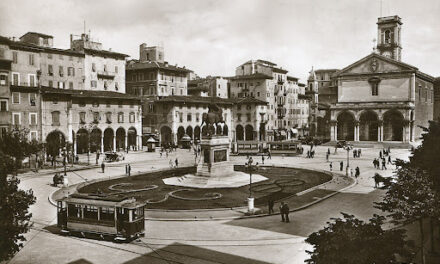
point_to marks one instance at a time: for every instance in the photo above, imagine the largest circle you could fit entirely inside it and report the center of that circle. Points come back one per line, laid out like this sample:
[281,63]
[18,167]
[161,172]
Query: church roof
[404,66]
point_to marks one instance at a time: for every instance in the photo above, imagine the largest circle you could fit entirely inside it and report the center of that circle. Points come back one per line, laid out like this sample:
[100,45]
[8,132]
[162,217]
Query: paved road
[258,240]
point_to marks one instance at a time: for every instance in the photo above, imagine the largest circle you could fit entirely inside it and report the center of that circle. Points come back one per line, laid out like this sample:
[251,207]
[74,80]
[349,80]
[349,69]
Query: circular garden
[281,182]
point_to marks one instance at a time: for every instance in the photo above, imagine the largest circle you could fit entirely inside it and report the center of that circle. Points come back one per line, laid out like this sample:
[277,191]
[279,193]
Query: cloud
[212,37]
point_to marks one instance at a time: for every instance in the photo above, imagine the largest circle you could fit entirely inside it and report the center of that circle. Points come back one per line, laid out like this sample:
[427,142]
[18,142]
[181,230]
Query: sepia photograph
[219,131]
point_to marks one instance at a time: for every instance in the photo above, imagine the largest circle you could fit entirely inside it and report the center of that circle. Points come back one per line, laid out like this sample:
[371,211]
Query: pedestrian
[358,172]
[269,156]
[331,166]
[374,163]
[103,166]
[351,173]
[270,204]
[313,153]
[262,158]
[126,169]
[160,153]
[286,210]
[308,153]
[328,151]
[389,159]
[326,156]
[360,152]
[177,163]
[380,154]
[354,153]
[129,170]
[341,166]
[383,164]
[282,212]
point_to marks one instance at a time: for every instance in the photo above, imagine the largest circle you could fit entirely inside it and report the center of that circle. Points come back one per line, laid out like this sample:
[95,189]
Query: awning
[294,130]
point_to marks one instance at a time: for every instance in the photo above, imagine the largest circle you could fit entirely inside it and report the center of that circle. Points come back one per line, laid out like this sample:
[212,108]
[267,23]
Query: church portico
[379,123]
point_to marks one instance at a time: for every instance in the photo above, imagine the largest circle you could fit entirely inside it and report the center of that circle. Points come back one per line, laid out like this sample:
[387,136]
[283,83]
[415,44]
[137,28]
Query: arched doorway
[82,141]
[180,133]
[249,131]
[132,136]
[197,133]
[368,126]
[120,139]
[95,140]
[108,139]
[165,135]
[55,142]
[189,131]
[219,130]
[393,126]
[345,126]
[225,130]
[239,132]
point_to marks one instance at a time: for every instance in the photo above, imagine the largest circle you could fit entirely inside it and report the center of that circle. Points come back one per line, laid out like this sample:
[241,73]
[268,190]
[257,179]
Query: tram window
[107,213]
[91,212]
[138,213]
[74,210]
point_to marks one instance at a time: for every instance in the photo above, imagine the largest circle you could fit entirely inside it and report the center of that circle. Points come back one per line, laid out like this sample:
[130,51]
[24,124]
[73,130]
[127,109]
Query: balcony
[280,82]
[106,75]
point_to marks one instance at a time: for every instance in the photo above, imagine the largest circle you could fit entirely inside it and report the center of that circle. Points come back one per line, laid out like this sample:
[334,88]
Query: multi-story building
[322,90]
[265,81]
[379,97]
[214,86]
[5,69]
[50,88]
[104,70]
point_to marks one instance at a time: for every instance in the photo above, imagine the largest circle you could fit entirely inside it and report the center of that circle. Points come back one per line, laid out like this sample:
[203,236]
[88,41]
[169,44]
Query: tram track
[151,246]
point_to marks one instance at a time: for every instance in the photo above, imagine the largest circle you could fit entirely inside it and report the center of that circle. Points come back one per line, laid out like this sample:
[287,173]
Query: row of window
[105,68]
[70,71]
[31,58]
[108,117]
[16,119]
[17,98]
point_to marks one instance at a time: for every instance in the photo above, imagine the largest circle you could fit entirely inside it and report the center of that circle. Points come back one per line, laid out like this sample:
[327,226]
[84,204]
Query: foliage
[14,205]
[427,156]
[15,144]
[411,197]
[350,240]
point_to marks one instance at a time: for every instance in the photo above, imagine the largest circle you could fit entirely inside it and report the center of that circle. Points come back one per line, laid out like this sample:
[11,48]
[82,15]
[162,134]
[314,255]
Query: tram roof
[95,200]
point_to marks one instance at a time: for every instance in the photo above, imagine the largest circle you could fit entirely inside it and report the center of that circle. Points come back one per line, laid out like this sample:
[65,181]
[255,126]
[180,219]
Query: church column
[356,130]
[75,142]
[412,131]
[381,132]
[114,143]
[126,141]
[333,130]
[102,143]
[379,126]
[406,131]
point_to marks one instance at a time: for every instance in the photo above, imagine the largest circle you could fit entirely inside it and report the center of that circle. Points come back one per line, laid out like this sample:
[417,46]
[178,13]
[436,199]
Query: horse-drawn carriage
[113,156]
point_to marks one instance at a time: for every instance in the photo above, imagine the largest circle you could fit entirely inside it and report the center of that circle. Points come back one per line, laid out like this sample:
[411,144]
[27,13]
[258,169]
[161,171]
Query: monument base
[214,169]
[234,180]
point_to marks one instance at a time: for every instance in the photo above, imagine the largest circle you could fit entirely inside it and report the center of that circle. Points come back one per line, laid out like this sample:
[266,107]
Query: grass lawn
[282,182]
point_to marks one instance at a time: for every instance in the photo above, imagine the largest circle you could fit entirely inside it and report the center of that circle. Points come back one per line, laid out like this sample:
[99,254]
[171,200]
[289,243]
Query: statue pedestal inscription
[214,157]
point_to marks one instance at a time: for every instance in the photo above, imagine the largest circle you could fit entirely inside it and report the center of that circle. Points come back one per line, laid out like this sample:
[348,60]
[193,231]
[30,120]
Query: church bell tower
[388,35]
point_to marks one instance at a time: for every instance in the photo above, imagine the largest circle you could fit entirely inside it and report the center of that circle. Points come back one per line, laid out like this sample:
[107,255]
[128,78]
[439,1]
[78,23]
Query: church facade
[380,98]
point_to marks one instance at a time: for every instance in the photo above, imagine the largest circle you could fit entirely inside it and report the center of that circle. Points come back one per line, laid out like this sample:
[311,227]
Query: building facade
[265,81]
[50,89]
[214,86]
[379,97]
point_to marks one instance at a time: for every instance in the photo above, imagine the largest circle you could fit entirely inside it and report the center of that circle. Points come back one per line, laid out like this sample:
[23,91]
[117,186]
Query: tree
[14,214]
[350,240]
[427,155]
[15,144]
[411,198]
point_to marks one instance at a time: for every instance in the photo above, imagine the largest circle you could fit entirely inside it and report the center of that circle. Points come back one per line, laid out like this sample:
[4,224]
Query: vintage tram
[116,218]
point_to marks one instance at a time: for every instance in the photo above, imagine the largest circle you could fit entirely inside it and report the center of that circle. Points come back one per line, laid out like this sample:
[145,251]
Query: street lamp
[348,147]
[250,168]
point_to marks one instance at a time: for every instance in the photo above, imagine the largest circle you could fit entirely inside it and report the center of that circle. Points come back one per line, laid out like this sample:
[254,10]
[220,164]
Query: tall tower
[388,35]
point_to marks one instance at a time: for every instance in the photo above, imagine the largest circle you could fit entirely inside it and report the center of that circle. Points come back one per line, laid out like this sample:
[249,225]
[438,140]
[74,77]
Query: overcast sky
[212,37]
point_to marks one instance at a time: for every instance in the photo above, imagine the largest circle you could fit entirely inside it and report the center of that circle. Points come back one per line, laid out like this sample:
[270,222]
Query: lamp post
[348,147]
[249,165]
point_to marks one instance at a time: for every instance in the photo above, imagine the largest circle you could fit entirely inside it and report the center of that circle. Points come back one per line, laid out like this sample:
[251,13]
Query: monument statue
[212,120]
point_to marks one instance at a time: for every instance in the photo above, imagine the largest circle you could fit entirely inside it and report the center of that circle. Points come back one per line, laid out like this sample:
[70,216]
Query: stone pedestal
[214,157]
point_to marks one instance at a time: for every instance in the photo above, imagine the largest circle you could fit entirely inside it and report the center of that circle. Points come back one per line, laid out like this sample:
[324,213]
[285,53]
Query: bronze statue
[211,120]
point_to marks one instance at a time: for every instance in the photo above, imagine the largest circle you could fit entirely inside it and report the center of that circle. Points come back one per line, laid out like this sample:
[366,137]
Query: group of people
[284,210]
[174,164]
[377,162]
[310,154]
[357,153]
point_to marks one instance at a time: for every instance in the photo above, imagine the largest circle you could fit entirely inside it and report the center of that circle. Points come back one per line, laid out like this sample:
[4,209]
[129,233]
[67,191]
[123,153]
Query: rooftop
[251,76]
[136,65]
[38,34]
